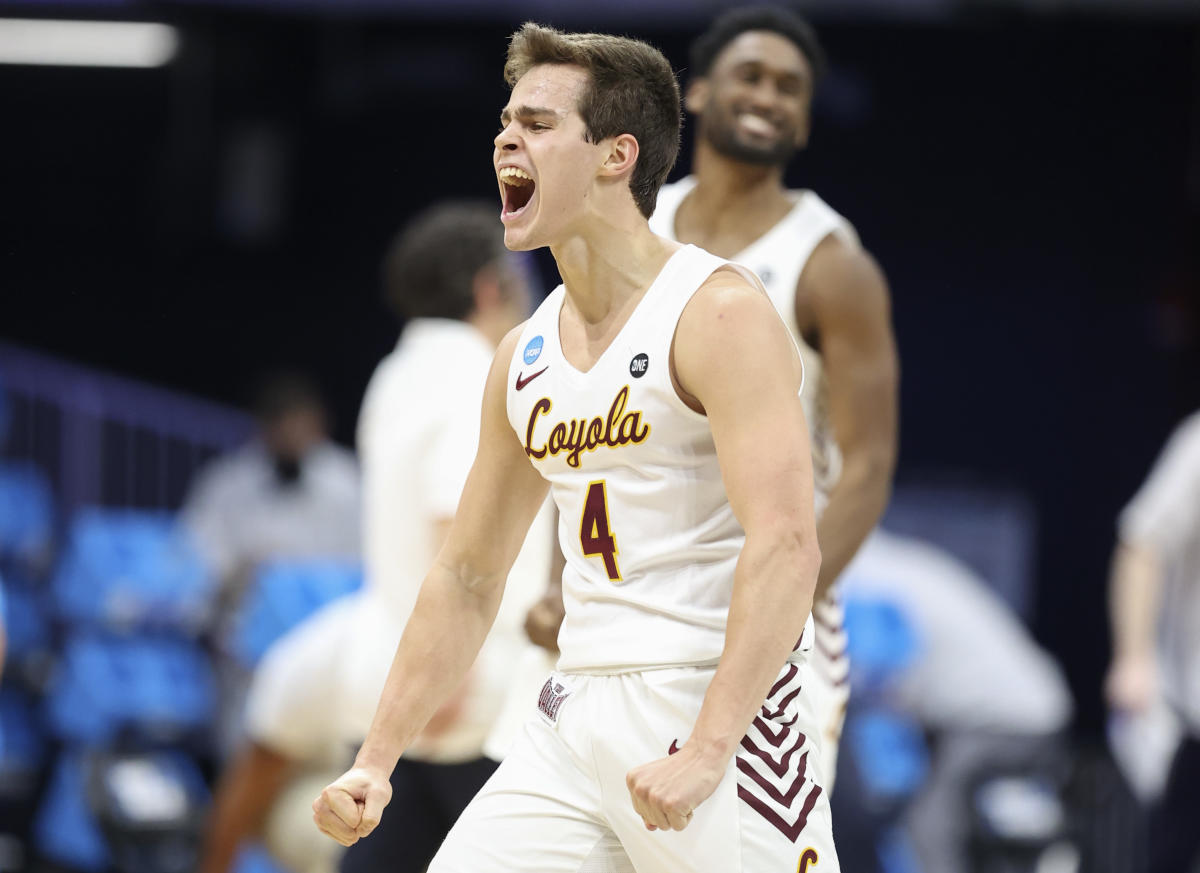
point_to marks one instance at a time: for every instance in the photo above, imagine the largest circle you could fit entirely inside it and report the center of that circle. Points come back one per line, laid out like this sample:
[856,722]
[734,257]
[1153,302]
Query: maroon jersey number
[594,535]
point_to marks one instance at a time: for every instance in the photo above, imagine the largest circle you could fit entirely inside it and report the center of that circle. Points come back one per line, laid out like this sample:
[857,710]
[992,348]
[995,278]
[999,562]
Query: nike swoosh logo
[674,747]
[521,383]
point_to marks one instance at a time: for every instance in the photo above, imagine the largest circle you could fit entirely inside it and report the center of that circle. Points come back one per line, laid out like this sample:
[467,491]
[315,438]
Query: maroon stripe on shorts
[774,793]
[781,768]
[791,831]
[787,677]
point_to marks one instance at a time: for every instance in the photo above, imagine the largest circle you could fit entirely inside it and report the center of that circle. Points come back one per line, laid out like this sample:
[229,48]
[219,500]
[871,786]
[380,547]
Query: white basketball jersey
[644,521]
[778,257]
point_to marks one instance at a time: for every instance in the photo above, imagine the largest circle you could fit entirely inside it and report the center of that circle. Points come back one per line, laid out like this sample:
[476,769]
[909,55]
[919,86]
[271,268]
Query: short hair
[776,19]
[631,89]
[278,393]
[430,268]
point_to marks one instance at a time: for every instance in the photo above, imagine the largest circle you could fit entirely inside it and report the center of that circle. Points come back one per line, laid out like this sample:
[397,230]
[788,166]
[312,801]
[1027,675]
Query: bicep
[502,493]
[751,396]
[851,305]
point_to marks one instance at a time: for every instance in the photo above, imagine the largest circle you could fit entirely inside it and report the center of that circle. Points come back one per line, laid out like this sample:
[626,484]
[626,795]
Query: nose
[764,94]
[505,140]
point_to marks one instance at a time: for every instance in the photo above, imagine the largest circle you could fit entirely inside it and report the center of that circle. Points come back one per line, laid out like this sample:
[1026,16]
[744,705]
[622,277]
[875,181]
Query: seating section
[132,570]
[283,594]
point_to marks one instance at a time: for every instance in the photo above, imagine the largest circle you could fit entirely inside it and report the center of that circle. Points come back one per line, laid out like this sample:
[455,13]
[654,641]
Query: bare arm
[762,444]
[1135,598]
[454,611]
[849,298]
[247,791]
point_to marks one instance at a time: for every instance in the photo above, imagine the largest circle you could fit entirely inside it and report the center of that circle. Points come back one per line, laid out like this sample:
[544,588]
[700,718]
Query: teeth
[757,125]
[515,176]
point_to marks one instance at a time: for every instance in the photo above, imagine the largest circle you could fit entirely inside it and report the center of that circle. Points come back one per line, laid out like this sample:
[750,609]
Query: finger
[373,804]
[332,826]
[677,819]
[343,805]
[652,812]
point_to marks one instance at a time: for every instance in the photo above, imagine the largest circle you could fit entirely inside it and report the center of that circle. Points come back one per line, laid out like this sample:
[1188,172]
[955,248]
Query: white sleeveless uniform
[650,543]
[778,257]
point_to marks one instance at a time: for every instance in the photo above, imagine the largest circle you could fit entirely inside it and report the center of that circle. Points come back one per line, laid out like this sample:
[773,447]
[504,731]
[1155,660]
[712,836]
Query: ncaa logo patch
[533,349]
[639,365]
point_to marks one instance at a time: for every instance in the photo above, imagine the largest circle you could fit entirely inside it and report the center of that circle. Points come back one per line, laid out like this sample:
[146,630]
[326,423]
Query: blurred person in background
[1154,604]
[990,700]
[290,492]
[754,73]
[450,278]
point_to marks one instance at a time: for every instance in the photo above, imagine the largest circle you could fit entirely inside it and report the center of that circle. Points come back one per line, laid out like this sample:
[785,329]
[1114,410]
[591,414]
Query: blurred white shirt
[243,515]
[976,666]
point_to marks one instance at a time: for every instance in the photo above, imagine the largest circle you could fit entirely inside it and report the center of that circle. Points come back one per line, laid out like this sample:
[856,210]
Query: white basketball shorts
[559,802]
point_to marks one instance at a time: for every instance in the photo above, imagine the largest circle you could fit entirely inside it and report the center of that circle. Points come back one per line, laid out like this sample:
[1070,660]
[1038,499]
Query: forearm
[1135,597]
[444,634]
[245,795]
[855,506]
[766,618]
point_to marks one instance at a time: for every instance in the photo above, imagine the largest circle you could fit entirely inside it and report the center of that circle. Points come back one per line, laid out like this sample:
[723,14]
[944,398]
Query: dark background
[1030,182]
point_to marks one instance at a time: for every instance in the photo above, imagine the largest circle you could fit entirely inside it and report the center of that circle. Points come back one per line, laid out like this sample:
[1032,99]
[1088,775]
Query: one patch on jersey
[639,365]
[766,275]
[533,349]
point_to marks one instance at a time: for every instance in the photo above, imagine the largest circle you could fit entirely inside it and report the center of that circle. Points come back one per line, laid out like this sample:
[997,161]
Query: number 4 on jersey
[594,534]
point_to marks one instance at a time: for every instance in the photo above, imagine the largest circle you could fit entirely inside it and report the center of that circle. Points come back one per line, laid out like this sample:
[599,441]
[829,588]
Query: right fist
[350,807]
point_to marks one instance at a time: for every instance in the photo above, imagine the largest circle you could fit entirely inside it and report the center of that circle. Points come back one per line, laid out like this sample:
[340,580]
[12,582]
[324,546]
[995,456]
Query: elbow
[869,471]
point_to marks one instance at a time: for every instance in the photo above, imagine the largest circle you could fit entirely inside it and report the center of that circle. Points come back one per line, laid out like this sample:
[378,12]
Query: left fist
[666,792]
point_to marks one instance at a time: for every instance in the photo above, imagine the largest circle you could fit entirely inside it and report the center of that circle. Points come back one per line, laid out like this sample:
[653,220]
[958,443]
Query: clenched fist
[350,807]
[666,792]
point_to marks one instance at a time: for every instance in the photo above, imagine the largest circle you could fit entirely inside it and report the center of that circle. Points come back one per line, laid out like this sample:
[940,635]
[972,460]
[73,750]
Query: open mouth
[518,187]
[756,125]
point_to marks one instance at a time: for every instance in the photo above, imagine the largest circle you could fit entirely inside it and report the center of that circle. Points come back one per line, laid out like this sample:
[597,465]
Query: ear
[695,98]
[622,155]
[486,290]
[803,129]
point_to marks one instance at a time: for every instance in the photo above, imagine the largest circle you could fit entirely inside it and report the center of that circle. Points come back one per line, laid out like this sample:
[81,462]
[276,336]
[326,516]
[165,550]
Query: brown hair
[631,89]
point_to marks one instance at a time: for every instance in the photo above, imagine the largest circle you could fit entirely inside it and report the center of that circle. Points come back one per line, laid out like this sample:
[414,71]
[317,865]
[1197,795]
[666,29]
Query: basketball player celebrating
[656,393]
[753,74]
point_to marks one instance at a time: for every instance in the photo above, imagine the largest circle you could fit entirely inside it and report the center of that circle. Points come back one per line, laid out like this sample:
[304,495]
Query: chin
[517,241]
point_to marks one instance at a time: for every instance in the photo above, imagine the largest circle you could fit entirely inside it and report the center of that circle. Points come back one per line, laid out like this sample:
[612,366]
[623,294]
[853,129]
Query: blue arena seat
[254,858]
[109,686]
[127,569]
[26,518]
[881,642]
[283,594]
[26,623]
[64,830]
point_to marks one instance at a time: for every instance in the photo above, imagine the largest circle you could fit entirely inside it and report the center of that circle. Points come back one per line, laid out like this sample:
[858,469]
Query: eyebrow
[528,112]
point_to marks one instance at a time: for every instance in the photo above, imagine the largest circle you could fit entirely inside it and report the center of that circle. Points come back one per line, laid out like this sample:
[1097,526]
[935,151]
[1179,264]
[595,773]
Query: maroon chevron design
[791,831]
[787,677]
[784,800]
[779,769]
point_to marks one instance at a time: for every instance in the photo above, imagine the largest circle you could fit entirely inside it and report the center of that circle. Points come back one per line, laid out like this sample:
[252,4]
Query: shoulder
[725,302]
[728,322]
[843,275]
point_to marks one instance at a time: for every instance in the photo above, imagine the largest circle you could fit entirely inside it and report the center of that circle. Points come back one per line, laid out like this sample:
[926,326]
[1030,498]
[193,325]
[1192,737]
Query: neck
[614,257]
[729,189]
